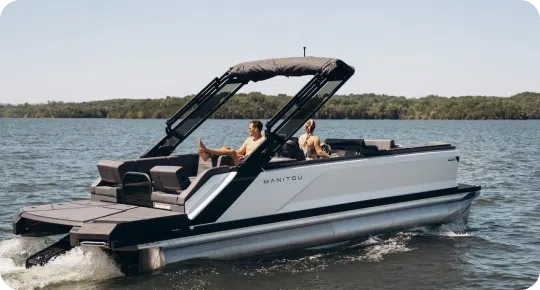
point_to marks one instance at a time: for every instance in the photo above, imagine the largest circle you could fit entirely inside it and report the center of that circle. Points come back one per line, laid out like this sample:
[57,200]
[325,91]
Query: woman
[310,144]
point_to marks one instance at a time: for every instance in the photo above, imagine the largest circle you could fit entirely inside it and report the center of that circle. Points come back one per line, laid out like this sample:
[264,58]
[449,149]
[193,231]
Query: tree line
[525,105]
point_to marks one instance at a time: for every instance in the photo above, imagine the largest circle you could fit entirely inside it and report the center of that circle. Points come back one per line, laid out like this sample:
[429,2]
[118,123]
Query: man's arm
[242,150]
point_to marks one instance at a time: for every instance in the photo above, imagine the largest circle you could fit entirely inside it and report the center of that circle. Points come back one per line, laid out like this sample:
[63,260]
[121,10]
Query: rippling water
[54,160]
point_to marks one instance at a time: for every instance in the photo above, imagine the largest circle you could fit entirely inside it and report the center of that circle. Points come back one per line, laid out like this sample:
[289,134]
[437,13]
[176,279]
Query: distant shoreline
[256,105]
[248,119]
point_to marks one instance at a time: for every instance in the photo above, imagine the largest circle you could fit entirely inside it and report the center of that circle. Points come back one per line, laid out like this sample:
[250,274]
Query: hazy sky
[79,50]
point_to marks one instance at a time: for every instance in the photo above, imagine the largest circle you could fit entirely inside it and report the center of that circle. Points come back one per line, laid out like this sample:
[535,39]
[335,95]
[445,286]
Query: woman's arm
[318,149]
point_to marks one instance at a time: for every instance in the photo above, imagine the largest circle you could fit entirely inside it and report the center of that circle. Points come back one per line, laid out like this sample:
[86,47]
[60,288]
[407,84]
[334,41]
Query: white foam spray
[78,264]
[456,229]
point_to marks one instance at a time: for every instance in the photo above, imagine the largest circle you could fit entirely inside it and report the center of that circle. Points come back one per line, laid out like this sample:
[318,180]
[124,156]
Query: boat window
[202,110]
[200,113]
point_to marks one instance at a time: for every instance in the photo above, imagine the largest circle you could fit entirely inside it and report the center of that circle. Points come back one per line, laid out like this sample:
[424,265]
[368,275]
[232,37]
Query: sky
[83,50]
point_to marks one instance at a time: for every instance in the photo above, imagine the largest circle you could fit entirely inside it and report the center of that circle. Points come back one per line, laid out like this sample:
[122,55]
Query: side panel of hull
[298,188]
[262,241]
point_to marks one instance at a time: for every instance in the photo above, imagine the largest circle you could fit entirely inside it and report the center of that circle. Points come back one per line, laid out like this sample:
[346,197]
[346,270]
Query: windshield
[297,118]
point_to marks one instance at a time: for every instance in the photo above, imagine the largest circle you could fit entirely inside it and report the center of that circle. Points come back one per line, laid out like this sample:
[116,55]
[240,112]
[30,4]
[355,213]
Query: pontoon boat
[163,208]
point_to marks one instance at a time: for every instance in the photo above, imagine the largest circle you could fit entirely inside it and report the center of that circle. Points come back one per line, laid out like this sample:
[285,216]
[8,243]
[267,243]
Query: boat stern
[94,223]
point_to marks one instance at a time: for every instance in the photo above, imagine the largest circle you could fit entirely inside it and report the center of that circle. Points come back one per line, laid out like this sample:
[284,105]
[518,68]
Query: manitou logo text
[283,179]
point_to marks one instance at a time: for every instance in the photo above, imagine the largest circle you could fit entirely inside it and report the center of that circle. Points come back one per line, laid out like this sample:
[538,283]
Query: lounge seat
[352,147]
[382,144]
[104,192]
[179,197]
[436,143]
[165,197]
[215,161]
[112,191]
[169,178]
[291,150]
[346,147]
[144,165]
[108,186]
[113,171]
[188,161]
[223,160]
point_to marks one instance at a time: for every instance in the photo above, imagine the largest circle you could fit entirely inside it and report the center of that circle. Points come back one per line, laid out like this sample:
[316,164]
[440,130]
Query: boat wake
[455,229]
[374,249]
[78,264]
[370,250]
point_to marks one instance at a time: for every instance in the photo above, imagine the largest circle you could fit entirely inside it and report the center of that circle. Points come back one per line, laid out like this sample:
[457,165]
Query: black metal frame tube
[190,104]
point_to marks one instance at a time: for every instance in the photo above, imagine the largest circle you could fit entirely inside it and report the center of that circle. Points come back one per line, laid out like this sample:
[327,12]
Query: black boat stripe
[210,228]
[226,197]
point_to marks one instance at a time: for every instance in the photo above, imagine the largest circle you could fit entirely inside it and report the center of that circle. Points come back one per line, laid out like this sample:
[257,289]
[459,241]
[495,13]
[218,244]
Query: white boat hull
[291,189]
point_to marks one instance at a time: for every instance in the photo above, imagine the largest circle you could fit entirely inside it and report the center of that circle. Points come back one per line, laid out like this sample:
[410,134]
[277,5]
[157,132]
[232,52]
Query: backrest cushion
[145,164]
[113,171]
[382,144]
[189,162]
[167,178]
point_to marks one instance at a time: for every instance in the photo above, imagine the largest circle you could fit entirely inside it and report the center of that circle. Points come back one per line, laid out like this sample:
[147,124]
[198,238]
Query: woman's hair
[310,127]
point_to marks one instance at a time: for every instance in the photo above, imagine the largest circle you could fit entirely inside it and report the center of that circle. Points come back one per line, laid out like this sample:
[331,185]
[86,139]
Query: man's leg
[202,153]
[206,152]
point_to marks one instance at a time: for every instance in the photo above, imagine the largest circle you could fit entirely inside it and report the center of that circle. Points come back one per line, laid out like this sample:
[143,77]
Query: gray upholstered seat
[164,197]
[189,162]
[112,191]
[222,160]
[180,197]
[113,171]
[382,144]
[169,178]
[144,165]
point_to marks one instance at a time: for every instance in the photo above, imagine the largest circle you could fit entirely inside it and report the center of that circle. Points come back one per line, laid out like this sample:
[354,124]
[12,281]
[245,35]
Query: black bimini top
[291,66]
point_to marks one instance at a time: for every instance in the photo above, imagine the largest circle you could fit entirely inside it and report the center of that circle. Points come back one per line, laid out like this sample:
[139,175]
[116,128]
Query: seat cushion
[291,150]
[222,160]
[167,178]
[200,181]
[382,144]
[342,143]
[159,196]
[189,162]
[113,171]
[113,191]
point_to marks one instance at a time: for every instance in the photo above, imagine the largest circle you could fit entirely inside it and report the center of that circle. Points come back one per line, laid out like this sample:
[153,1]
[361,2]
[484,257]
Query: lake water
[54,160]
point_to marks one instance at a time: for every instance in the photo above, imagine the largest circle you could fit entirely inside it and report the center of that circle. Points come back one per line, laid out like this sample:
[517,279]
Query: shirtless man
[255,138]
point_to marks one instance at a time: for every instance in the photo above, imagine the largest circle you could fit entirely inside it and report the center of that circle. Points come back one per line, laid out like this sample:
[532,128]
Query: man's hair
[257,124]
